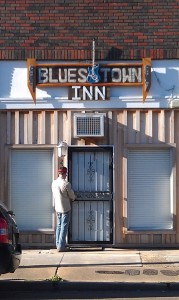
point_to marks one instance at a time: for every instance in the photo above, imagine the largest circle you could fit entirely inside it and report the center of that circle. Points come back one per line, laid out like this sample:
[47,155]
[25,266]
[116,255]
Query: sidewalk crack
[140,255]
[59,264]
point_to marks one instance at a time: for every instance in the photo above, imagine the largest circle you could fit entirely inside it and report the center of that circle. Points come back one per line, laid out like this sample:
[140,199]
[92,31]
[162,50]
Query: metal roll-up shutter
[149,196]
[30,188]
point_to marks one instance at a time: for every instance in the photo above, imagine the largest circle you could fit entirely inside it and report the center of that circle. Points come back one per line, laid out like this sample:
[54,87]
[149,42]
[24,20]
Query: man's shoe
[62,250]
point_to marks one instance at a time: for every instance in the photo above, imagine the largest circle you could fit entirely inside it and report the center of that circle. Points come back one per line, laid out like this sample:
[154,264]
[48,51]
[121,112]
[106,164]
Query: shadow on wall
[165,84]
[6,79]
[114,54]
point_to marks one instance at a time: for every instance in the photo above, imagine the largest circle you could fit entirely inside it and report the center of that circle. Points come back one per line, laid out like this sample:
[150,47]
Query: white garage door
[30,188]
[149,190]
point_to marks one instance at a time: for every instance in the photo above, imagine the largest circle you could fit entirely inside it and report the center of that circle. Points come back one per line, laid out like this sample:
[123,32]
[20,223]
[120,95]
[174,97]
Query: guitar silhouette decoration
[93,71]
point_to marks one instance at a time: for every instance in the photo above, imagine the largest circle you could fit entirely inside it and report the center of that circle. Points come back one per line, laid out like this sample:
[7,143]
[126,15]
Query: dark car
[10,249]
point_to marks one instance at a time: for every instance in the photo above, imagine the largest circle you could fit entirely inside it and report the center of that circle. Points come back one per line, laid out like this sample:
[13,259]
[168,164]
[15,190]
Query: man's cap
[62,170]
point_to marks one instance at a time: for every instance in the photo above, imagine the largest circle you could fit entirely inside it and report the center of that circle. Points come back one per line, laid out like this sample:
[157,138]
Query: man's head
[62,172]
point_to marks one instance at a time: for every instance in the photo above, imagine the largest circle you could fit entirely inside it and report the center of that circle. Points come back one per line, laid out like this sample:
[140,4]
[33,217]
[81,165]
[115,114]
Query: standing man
[63,194]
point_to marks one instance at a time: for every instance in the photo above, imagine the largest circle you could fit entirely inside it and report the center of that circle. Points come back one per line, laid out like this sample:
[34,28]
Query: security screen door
[91,176]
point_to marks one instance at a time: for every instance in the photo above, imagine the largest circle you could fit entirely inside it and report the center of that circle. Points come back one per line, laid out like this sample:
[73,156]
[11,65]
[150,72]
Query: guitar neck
[93,54]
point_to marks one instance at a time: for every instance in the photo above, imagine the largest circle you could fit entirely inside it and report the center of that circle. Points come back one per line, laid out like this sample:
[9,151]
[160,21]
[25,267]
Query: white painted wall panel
[14,92]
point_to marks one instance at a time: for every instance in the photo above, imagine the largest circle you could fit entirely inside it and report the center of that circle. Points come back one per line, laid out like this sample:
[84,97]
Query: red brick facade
[64,29]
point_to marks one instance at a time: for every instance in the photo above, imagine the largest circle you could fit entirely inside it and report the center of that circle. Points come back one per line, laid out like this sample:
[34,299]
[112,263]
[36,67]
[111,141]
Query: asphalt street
[89,291]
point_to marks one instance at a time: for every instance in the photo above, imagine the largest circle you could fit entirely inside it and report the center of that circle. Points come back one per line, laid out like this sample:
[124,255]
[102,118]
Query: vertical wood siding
[135,127]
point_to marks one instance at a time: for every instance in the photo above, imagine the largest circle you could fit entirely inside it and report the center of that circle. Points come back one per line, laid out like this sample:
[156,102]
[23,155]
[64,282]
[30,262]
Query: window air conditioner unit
[88,125]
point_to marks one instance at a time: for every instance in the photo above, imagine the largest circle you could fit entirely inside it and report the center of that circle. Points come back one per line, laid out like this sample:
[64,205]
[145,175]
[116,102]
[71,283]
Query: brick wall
[64,29]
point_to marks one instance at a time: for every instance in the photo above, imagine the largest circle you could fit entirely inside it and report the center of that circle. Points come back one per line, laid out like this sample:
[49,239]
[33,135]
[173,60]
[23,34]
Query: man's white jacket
[63,194]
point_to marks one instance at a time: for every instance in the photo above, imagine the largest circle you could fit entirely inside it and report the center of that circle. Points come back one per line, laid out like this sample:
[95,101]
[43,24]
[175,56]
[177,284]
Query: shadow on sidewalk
[86,290]
[110,264]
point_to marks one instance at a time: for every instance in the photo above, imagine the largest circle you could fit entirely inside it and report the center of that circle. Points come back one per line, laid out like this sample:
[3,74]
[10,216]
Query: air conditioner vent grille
[89,125]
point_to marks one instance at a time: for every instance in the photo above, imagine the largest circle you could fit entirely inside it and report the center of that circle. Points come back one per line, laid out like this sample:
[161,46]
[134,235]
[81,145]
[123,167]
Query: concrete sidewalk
[95,265]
